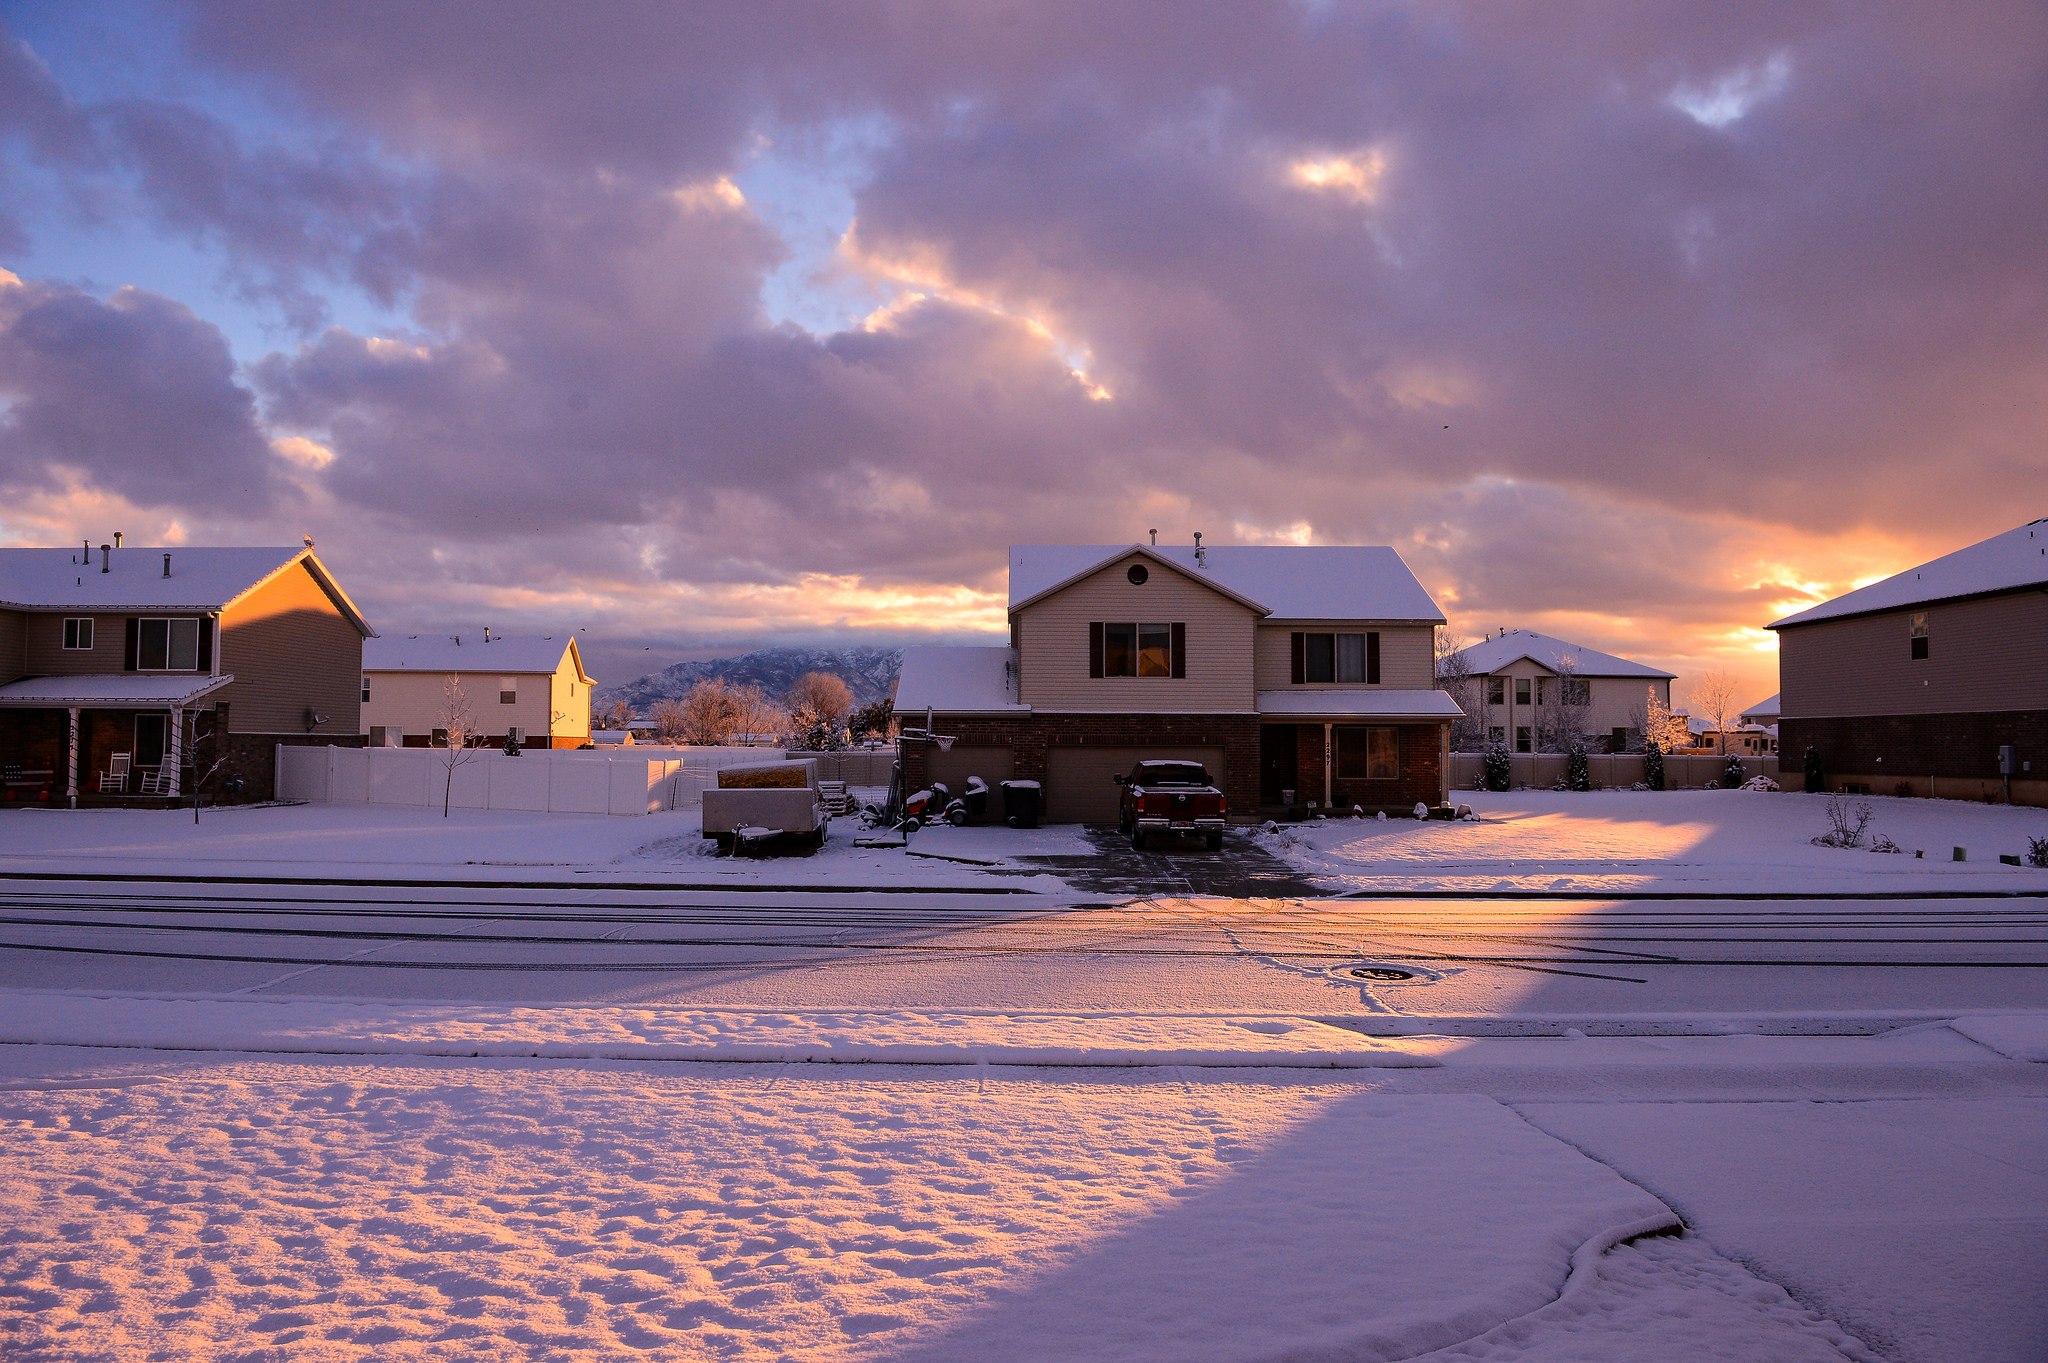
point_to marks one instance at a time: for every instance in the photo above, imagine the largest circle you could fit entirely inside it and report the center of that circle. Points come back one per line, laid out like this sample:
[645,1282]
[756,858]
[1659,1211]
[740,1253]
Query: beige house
[533,686]
[1931,682]
[1526,689]
[1287,670]
[126,673]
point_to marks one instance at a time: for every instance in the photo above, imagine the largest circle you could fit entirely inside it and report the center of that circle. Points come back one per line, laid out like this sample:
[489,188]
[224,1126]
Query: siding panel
[1984,656]
[1407,654]
[47,656]
[290,648]
[1053,657]
[13,646]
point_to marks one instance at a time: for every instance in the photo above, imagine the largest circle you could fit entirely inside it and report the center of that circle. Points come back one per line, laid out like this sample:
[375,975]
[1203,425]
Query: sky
[703,327]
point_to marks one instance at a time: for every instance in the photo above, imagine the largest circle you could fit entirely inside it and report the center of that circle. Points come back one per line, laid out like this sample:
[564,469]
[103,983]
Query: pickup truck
[1170,797]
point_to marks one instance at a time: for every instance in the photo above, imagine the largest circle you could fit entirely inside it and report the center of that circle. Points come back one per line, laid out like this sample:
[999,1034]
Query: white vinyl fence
[1543,770]
[561,781]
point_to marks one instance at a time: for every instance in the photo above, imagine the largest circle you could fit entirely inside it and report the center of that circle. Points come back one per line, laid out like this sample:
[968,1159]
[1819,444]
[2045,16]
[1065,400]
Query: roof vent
[167,565]
[1154,533]
[117,539]
[1201,554]
[309,541]
[106,558]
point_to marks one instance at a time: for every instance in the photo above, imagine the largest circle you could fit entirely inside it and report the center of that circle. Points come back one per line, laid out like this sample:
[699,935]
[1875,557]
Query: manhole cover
[1381,972]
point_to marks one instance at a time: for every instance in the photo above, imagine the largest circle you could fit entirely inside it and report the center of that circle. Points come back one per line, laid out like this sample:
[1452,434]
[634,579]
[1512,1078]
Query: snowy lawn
[479,1211]
[1733,839]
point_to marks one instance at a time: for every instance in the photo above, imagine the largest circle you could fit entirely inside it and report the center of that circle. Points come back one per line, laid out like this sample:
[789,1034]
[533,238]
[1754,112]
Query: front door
[150,731]
[1277,762]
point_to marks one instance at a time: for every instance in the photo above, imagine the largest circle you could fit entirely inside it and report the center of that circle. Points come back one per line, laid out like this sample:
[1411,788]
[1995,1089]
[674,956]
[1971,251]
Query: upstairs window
[1919,635]
[166,645]
[366,688]
[1337,658]
[508,690]
[1574,691]
[1521,690]
[78,632]
[1120,649]
[1496,690]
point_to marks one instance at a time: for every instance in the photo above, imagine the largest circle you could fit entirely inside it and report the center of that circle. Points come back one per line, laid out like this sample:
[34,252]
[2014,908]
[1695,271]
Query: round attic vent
[1137,575]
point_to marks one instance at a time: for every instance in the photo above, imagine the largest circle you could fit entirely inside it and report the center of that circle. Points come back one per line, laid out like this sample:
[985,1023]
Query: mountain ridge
[870,673]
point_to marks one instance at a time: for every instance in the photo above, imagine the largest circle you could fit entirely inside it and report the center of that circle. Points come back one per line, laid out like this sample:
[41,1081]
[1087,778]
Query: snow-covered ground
[1718,840]
[984,1116]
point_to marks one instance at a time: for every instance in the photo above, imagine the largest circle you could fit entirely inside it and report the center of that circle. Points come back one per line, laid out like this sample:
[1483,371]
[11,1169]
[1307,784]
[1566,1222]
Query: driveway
[1242,870]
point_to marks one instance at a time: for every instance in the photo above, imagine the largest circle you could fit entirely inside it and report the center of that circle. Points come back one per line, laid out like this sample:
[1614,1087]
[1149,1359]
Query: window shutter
[1095,649]
[134,634]
[1372,657]
[1300,660]
[1180,648]
[206,643]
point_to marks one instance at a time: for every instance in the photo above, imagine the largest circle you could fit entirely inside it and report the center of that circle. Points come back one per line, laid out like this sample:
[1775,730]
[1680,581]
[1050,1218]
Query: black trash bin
[1020,798]
[975,797]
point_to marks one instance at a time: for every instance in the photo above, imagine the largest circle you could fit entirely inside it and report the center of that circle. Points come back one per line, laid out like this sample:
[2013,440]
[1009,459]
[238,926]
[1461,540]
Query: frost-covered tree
[1499,767]
[1454,678]
[1713,696]
[1578,774]
[671,720]
[1653,765]
[817,698]
[460,734]
[1732,774]
[617,715]
[1561,719]
[707,713]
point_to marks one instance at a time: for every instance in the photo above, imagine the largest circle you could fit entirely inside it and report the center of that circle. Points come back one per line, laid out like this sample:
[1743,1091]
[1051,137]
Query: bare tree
[754,714]
[671,720]
[458,724]
[218,737]
[708,713]
[1454,678]
[617,715]
[1714,697]
[818,698]
[1561,721]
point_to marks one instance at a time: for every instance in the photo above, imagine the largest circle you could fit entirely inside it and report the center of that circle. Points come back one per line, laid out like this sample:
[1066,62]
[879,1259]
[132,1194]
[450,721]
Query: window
[1919,635]
[440,738]
[366,688]
[1137,575]
[1496,690]
[508,690]
[78,633]
[1370,754]
[1522,738]
[1119,649]
[1574,691]
[1521,691]
[1617,741]
[1338,658]
[167,645]
[1542,691]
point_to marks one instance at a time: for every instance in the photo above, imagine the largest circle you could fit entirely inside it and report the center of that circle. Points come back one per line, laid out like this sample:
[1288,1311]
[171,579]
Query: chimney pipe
[106,558]
[1200,560]
[167,565]
[1155,537]
[117,539]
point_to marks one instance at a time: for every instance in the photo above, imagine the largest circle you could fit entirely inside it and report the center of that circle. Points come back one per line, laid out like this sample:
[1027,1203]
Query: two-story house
[119,667]
[1927,682]
[1532,693]
[1283,668]
[531,685]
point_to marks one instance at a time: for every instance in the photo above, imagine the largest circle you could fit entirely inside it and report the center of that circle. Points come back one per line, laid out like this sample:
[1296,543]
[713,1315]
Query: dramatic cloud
[1634,324]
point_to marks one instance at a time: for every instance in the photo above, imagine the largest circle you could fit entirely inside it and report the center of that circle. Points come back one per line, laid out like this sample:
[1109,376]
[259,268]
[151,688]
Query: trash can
[1020,798]
[975,797]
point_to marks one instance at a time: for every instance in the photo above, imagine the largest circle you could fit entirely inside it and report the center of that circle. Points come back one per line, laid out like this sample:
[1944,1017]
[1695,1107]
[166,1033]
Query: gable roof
[1281,581]
[2013,561]
[969,679]
[201,580]
[1491,655]
[505,654]
[1763,707]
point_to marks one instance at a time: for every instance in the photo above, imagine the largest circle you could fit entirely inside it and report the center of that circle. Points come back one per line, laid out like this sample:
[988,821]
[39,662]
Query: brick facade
[1883,749]
[1420,781]
[1029,737]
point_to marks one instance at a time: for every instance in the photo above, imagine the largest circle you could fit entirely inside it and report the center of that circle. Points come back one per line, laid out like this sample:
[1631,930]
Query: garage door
[991,764]
[1079,784]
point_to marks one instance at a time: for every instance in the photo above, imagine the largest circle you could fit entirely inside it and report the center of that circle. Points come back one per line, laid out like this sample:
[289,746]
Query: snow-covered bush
[1653,765]
[1578,772]
[1847,821]
[1421,810]
[1761,783]
[2037,852]
[1732,774]
[1500,767]
[1884,843]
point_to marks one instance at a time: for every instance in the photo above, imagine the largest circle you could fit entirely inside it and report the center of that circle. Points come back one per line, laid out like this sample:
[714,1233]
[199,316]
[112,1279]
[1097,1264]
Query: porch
[98,739]
[1343,749]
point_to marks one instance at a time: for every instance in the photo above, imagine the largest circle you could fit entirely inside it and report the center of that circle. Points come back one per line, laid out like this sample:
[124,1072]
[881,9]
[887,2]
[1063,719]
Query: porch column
[71,766]
[175,758]
[1329,732]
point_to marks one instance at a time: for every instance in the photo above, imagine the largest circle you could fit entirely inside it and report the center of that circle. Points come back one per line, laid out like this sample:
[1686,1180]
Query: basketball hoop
[945,744]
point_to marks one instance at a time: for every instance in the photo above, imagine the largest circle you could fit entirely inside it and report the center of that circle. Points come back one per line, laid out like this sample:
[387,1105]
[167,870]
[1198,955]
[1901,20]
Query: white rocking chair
[155,781]
[115,777]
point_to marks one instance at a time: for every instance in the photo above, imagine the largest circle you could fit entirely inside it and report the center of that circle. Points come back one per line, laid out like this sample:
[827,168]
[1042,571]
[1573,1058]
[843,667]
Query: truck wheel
[1138,840]
[1215,842]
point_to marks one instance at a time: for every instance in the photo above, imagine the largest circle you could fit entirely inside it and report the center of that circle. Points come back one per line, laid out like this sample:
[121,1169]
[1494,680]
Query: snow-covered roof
[1290,581]
[112,688]
[444,653]
[1763,709]
[1491,655]
[1368,704]
[977,680]
[2012,561]
[200,580]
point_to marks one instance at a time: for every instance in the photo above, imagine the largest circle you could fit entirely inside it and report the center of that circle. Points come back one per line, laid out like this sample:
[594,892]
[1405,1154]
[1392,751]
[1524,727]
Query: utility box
[386,736]
[2008,760]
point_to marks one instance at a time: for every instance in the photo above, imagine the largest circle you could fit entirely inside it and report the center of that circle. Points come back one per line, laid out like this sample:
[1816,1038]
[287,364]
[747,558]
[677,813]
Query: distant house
[531,685]
[1922,681]
[1527,685]
[121,665]
[1763,714]
[1287,670]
